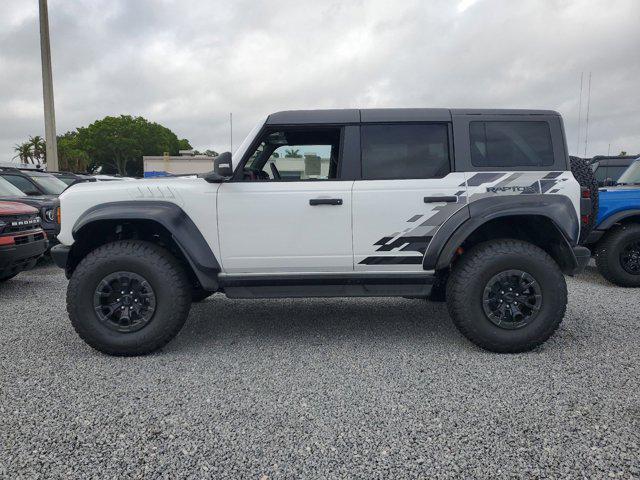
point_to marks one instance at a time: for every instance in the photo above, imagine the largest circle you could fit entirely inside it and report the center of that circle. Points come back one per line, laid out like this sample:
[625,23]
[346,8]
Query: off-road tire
[161,270]
[475,269]
[584,175]
[607,255]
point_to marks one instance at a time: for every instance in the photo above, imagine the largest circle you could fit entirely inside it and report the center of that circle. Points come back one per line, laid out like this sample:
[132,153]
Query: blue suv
[616,236]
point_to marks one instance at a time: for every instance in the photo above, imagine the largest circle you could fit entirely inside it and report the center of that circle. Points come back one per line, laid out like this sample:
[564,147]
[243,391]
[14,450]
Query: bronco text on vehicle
[22,241]
[479,205]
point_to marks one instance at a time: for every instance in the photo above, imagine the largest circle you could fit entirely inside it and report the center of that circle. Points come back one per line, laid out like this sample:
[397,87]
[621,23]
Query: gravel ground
[368,388]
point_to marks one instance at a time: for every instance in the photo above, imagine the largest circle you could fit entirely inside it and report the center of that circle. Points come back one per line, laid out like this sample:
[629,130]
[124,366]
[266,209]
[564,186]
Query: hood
[34,201]
[13,208]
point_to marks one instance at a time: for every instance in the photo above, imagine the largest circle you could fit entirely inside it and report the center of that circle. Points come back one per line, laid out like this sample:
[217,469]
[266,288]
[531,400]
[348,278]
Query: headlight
[50,215]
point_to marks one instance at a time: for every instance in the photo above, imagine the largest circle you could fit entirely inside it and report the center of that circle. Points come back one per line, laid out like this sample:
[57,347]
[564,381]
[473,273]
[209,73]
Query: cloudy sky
[188,63]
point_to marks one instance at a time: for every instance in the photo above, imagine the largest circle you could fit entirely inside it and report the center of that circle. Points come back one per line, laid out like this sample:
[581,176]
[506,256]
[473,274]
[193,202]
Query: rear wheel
[618,256]
[128,298]
[507,296]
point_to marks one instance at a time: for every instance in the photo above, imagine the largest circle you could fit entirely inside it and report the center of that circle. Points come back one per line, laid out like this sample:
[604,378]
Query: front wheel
[507,296]
[128,298]
[618,256]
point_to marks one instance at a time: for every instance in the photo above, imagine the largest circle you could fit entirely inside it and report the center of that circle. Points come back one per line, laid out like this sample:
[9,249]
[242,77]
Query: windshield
[50,184]
[246,143]
[631,175]
[9,190]
[67,180]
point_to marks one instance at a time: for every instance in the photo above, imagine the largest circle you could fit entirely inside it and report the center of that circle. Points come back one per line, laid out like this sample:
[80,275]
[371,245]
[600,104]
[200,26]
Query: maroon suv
[22,240]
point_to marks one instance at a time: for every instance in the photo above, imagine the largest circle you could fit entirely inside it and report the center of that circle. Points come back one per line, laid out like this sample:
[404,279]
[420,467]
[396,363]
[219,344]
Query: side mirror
[222,165]
[608,182]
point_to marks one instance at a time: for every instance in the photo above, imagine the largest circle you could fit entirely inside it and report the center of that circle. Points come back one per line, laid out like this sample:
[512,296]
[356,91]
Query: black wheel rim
[124,302]
[630,258]
[512,299]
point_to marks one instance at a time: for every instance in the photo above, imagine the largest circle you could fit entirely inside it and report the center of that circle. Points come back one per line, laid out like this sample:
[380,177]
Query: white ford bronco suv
[475,206]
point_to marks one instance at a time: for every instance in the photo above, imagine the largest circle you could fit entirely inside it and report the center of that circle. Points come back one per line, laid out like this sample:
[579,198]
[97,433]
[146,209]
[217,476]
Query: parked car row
[33,193]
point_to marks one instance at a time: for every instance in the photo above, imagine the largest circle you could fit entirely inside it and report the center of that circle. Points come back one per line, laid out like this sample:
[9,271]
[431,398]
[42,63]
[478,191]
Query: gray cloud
[187,64]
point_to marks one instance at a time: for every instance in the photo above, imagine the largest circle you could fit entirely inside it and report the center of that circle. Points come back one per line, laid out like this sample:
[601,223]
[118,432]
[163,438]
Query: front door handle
[325,201]
[447,199]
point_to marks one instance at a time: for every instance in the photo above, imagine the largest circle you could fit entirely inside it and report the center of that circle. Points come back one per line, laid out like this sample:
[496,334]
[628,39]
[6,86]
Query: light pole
[47,90]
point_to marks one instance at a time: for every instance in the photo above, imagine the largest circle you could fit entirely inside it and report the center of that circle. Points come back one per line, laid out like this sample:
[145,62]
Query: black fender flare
[610,221]
[558,208]
[184,232]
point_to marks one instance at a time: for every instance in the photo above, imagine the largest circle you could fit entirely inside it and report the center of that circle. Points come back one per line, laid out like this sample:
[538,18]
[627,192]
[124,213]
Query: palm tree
[23,151]
[39,148]
[292,153]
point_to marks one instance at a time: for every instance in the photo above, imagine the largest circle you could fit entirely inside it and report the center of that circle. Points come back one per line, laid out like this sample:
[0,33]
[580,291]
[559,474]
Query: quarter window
[510,144]
[405,151]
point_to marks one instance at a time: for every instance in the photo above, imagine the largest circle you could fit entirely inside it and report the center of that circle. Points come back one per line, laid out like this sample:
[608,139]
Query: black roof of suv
[296,117]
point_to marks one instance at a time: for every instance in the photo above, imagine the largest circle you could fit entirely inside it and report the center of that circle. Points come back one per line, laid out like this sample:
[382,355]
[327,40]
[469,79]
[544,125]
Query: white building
[186,162]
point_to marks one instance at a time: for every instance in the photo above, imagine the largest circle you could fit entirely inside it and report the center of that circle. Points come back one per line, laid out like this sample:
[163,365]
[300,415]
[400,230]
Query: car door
[406,192]
[290,212]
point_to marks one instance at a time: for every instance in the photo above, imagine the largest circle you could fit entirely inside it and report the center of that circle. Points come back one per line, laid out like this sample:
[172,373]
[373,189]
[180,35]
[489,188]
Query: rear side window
[510,144]
[405,151]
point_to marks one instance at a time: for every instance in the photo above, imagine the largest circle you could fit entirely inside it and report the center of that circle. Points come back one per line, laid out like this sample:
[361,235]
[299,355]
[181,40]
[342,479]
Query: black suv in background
[72,178]
[47,206]
[34,182]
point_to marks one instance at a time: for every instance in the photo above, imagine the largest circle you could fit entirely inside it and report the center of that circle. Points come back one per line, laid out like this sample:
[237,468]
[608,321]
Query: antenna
[586,132]
[231,131]
[579,114]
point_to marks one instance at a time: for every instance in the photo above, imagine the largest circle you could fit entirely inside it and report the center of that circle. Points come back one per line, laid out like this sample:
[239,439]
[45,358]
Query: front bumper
[60,254]
[15,258]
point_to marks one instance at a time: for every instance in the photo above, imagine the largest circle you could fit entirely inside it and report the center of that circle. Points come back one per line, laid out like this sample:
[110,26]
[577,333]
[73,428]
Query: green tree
[118,143]
[39,148]
[183,144]
[292,153]
[24,152]
[70,157]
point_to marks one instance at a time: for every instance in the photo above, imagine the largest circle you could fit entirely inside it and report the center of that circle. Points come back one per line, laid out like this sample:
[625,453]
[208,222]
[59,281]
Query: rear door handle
[325,201]
[447,199]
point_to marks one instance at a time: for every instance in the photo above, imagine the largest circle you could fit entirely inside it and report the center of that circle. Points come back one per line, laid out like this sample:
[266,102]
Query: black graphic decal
[415,260]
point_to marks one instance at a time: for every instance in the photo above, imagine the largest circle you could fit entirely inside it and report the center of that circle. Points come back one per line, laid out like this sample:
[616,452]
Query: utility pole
[47,90]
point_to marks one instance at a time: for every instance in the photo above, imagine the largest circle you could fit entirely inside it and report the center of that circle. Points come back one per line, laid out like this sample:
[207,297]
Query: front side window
[295,155]
[407,151]
[510,144]
[614,172]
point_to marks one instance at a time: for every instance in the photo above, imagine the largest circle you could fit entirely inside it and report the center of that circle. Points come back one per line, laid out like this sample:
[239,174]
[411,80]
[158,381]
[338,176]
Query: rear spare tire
[506,295]
[583,173]
[128,298]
